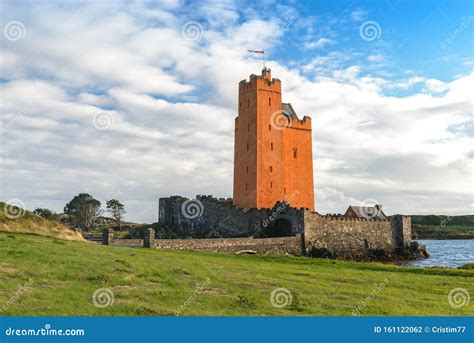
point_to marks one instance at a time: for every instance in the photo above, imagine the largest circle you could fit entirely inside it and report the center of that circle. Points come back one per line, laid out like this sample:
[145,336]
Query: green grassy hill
[60,278]
[27,222]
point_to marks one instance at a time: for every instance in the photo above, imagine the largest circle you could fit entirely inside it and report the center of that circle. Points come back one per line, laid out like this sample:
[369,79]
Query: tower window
[271,146]
[271,184]
[269,101]
[247,169]
[271,169]
[269,127]
[295,153]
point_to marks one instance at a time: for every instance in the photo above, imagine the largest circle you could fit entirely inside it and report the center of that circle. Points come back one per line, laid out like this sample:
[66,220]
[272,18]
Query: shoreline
[444,238]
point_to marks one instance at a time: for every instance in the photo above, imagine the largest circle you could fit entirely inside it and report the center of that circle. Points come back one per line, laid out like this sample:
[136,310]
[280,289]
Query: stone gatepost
[148,238]
[301,240]
[401,230]
[107,236]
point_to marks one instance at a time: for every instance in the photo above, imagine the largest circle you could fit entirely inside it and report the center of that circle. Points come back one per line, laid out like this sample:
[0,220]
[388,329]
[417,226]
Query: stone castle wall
[338,236]
[206,217]
[109,239]
[293,245]
[280,245]
[131,243]
[310,233]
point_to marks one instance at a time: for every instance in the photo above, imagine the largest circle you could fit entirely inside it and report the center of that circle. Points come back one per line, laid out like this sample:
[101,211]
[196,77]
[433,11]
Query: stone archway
[282,228]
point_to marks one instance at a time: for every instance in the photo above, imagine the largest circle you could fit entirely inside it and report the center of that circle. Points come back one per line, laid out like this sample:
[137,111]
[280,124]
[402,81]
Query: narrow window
[271,146]
[269,127]
[295,153]
[247,169]
[269,101]
[271,169]
[271,184]
[284,190]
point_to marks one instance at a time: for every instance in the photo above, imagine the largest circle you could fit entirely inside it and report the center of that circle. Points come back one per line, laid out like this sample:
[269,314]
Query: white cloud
[358,15]
[172,104]
[435,86]
[375,58]
[321,42]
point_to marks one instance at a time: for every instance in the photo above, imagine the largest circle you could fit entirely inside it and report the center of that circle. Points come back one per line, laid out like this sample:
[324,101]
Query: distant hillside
[442,227]
[33,224]
[443,220]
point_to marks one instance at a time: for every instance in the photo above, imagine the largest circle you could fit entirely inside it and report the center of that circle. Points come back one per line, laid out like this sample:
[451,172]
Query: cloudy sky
[136,100]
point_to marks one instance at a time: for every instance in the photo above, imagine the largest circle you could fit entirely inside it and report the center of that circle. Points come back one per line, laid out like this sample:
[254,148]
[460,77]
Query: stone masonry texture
[273,159]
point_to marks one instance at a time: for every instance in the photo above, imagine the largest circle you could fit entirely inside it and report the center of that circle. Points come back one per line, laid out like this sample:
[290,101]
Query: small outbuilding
[367,212]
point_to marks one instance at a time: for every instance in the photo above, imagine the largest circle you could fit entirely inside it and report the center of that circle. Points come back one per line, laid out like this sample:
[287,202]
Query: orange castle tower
[273,159]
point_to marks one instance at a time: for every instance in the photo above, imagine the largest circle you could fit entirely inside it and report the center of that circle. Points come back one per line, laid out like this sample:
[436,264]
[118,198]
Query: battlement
[254,79]
[341,217]
[273,193]
[300,124]
[334,234]
[294,122]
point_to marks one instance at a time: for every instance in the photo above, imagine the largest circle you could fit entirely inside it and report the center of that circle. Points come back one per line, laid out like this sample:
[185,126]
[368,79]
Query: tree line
[83,212]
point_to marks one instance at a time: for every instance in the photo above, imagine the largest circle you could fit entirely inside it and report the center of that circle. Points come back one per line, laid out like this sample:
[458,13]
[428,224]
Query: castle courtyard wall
[222,227]
[279,245]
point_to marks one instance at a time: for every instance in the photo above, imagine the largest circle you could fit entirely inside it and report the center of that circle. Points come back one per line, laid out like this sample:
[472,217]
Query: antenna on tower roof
[259,52]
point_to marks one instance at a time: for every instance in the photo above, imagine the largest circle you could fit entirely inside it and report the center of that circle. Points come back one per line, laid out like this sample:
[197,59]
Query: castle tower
[273,148]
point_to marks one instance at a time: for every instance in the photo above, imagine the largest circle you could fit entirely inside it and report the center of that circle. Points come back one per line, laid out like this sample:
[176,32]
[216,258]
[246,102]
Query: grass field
[59,278]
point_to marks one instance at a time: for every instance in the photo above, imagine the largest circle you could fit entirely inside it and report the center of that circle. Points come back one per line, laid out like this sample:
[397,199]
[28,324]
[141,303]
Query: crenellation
[273,198]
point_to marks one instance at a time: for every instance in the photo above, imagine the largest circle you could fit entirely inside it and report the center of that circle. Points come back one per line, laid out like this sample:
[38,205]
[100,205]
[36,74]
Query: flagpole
[259,52]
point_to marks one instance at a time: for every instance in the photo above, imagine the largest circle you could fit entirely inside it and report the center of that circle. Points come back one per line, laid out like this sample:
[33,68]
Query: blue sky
[411,34]
[136,100]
